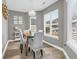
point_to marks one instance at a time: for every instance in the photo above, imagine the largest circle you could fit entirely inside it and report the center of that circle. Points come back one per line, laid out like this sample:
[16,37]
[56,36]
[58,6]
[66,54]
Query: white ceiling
[27,5]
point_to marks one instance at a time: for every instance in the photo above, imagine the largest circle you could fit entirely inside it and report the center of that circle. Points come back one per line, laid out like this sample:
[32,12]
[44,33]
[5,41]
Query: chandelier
[32,13]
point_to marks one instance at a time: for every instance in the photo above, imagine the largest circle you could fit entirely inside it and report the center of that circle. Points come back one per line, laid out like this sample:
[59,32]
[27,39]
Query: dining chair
[22,42]
[36,43]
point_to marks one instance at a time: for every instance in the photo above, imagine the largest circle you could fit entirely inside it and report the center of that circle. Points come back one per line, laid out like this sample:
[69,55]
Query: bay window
[33,24]
[51,23]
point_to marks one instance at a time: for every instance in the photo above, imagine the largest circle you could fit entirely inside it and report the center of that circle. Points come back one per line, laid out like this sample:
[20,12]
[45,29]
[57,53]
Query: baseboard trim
[13,40]
[6,46]
[44,42]
[5,49]
[61,49]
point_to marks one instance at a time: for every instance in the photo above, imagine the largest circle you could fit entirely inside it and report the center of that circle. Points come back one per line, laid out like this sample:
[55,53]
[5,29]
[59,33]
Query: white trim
[14,40]
[52,36]
[57,48]
[74,20]
[73,45]
[44,42]
[5,49]
[7,46]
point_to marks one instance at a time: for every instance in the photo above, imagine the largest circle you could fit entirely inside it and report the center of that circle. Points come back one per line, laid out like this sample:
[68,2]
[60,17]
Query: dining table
[27,37]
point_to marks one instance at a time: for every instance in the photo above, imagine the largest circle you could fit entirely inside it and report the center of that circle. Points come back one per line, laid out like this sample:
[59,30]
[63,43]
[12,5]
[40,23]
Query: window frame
[45,25]
[17,20]
[71,42]
[31,24]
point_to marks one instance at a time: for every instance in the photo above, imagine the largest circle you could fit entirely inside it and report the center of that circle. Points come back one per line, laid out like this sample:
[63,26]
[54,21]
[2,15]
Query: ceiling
[27,5]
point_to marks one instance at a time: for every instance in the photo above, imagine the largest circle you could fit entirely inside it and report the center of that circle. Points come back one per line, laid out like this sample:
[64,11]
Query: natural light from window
[33,24]
[51,23]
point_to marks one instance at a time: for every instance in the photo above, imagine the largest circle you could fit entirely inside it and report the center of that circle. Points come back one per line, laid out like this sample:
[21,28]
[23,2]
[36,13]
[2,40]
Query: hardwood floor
[13,52]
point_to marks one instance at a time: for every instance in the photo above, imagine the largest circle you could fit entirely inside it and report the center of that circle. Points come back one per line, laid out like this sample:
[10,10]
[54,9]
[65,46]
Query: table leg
[27,47]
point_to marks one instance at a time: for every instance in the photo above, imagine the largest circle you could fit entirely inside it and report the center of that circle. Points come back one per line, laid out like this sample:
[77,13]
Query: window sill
[73,45]
[52,36]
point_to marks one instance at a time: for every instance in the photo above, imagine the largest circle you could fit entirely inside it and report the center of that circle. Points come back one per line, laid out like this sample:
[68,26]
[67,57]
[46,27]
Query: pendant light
[32,12]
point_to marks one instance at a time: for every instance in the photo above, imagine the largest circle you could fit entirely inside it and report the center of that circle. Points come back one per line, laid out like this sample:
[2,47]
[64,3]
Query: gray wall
[61,5]
[58,5]
[11,25]
[26,20]
[4,30]
[68,50]
[39,21]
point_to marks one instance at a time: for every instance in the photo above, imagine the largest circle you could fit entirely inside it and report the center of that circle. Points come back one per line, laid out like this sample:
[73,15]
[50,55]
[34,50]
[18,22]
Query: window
[74,29]
[72,24]
[51,23]
[20,20]
[33,24]
[17,20]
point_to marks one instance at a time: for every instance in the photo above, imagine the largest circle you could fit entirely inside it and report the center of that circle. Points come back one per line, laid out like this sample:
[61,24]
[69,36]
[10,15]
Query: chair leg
[21,51]
[41,52]
[21,47]
[29,49]
[33,54]
[25,45]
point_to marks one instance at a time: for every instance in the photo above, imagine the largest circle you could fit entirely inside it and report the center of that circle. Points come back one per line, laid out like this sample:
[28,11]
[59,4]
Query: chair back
[21,36]
[38,40]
